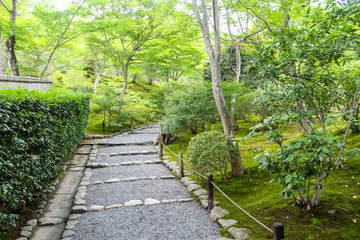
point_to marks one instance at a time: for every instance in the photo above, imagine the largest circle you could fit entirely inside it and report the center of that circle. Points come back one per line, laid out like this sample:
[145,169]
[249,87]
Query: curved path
[127,193]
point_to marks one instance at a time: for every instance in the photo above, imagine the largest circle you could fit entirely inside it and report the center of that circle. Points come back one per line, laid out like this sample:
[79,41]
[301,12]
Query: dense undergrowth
[39,131]
[260,196]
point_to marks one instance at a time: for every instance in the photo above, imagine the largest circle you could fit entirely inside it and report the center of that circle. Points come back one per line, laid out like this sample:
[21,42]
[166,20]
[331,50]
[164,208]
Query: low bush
[39,131]
[209,152]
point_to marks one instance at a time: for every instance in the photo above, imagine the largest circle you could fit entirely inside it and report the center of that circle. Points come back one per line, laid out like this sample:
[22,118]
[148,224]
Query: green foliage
[39,131]
[106,103]
[302,161]
[301,67]
[189,106]
[209,152]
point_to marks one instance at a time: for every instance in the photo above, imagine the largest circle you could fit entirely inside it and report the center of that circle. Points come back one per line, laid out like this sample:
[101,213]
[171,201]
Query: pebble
[151,201]
[112,180]
[27,228]
[169,200]
[68,233]
[113,206]
[50,221]
[240,233]
[98,182]
[130,179]
[71,224]
[79,209]
[84,183]
[74,216]
[226,223]
[32,222]
[200,192]
[94,208]
[186,199]
[126,163]
[25,234]
[193,187]
[133,203]
[167,177]
[332,211]
[217,213]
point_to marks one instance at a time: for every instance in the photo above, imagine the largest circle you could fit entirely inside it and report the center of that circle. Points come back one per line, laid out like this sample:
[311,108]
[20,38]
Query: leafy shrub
[209,152]
[39,131]
[191,107]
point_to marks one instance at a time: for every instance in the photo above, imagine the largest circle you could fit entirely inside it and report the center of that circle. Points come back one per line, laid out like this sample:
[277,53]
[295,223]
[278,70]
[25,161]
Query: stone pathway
[126,192]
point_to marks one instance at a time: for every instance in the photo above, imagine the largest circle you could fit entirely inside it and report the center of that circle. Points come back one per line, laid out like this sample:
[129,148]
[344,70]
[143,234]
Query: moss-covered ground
[256,193]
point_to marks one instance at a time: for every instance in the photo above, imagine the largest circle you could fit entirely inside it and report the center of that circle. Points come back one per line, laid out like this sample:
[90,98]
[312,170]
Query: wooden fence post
[132,124]
[278,231]
[210,191]
[181,165]
[161,150]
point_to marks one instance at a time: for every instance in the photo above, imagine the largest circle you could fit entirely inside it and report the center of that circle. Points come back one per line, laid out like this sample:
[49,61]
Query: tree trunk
[97,80]
[214,54]
[2,57]
[12,61]
[134,78]
[123,91]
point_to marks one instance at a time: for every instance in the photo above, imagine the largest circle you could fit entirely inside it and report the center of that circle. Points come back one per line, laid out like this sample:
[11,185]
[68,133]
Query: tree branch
[61,37]
[5,6]
[257,15]
[27,6]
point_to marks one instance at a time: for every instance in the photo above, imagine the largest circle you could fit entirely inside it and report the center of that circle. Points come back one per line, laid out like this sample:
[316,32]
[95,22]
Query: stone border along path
[148,216]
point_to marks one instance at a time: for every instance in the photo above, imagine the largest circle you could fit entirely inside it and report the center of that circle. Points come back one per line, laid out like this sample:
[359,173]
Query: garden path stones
[134,196]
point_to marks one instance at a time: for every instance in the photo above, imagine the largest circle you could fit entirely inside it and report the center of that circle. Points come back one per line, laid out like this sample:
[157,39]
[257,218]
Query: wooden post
[161,150]
[181,165]
[147,120]
[132,124]
[103,125]
[210,191]
[278,231]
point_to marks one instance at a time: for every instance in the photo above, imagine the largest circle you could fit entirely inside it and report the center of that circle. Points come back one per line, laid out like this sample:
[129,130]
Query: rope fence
[278,232]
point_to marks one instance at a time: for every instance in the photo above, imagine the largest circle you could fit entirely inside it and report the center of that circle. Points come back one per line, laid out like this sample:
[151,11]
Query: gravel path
[142,198]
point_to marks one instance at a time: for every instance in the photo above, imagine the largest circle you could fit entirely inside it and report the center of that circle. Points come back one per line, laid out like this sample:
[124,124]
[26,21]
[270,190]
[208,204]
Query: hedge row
[39,131]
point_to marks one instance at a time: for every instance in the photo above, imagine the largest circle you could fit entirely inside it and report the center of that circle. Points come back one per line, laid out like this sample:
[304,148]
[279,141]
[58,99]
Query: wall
[29,83]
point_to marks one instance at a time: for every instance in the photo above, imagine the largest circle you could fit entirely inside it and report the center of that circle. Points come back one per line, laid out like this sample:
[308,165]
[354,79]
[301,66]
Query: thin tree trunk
[214,54]
[2,56]
[134,78]
[12,61]
[123,91]
[97,80]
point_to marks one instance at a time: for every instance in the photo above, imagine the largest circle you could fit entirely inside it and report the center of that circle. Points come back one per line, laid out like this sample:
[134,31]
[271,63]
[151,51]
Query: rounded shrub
[209,152]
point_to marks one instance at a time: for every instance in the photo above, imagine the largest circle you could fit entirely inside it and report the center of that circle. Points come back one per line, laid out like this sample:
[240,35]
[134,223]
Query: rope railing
[276,225]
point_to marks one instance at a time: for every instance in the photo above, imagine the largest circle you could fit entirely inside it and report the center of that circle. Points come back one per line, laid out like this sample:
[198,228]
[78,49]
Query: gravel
[153,222]
[120,192]
[134,138]
[127,158]
[119,149]
[129,171]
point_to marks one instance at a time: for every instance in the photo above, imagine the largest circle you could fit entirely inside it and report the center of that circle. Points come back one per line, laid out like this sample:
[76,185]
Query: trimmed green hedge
[39,131]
